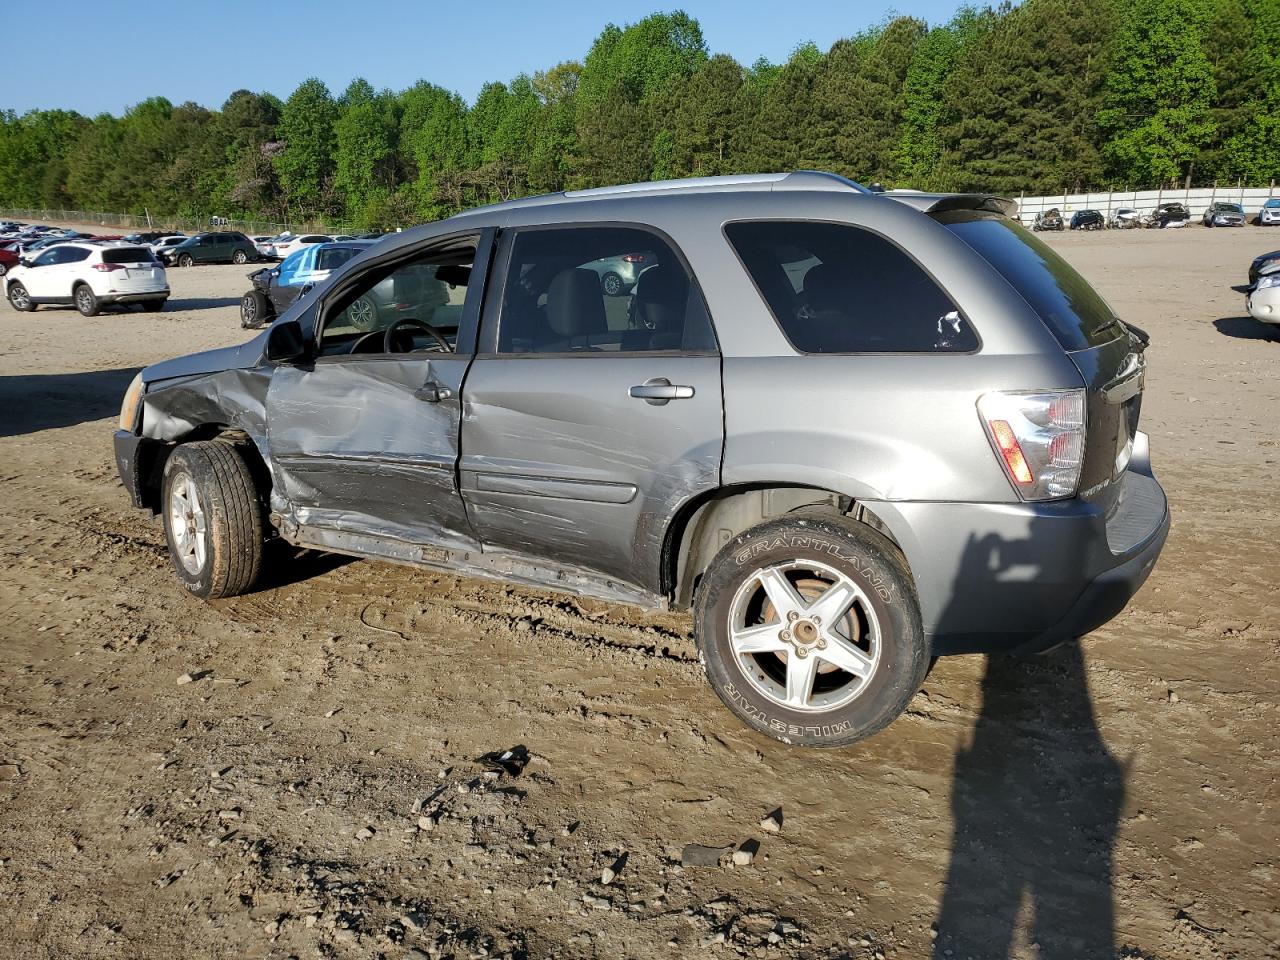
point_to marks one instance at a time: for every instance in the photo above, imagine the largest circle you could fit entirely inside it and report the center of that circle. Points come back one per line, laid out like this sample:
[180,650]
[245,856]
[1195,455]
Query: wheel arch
[707,522]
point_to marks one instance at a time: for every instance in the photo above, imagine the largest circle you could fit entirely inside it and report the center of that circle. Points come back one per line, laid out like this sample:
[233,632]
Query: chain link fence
[130,221]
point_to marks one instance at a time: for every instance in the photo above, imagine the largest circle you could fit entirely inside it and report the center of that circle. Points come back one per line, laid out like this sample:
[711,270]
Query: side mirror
[285,343]
[275,272]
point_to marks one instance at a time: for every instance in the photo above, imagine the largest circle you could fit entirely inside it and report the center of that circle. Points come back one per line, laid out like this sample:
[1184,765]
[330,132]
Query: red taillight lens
[107,267]
[633,257]
[1011,452]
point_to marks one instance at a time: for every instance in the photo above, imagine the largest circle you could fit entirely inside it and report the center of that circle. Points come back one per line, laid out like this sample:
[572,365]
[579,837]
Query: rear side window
[835,288]
[127,255]
[1072,310]
[73,255]
[593,290]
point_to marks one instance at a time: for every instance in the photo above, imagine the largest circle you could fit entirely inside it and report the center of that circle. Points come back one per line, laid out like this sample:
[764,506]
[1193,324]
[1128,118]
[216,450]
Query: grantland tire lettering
[781,726]
[821,545]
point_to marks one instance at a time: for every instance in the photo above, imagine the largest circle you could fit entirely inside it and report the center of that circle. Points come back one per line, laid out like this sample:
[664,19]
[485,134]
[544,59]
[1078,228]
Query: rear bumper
[134,297]
[1021,578]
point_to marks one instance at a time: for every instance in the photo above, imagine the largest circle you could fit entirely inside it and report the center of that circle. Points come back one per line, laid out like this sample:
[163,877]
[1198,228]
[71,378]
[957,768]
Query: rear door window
[836,288]
[1072,310]
[592,290]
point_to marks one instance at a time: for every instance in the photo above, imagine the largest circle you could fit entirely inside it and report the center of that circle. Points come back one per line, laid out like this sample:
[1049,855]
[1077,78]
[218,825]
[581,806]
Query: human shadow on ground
[30,403]
[1037,796]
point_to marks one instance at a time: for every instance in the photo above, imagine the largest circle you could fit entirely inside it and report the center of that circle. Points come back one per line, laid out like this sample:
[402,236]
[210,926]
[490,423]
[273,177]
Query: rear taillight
[1039,439]
[633,257]
[108,267]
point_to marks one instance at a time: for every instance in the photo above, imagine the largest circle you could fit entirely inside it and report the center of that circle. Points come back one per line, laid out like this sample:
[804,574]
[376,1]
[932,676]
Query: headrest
[661,295]
[575,305]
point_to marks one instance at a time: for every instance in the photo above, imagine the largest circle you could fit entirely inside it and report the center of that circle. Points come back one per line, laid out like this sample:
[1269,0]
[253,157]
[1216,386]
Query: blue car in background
[275,288]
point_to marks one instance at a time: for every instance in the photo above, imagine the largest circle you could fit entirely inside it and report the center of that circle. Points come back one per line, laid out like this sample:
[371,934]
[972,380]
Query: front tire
[212,519]
[809,630]
[254,309]
[185,260]
[86,302]
[19,299]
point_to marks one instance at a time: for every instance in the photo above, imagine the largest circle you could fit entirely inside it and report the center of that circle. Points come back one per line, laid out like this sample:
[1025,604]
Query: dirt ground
[319,790]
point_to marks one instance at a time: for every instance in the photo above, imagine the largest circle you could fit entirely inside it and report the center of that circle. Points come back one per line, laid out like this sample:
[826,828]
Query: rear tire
[239,257]
[212,519]
[85,301]
[611,284]
[878,653]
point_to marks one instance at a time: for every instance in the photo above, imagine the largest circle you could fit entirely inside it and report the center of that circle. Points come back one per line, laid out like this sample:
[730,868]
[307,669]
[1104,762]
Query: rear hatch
[133,270]
[1107,352]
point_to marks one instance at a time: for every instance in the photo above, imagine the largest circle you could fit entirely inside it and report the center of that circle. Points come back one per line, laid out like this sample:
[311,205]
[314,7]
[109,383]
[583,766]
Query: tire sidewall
[249,304]
[179,466]
[19,286]
[870,560]
[87,308]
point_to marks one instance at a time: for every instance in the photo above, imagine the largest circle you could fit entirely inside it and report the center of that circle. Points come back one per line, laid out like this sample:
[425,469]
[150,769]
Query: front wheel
[809,630]
[239,257]
[212,519]
[254,309]
[185,260]
[19,299]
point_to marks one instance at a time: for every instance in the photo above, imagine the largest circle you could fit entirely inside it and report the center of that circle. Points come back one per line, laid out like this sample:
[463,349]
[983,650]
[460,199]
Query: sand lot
[1116,798]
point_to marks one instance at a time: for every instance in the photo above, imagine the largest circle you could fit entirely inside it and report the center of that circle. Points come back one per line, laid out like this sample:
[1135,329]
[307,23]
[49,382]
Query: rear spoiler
[942,202]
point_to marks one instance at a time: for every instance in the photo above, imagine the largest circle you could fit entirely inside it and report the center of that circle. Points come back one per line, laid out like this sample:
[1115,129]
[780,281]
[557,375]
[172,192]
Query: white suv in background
[88,276]
[283,247]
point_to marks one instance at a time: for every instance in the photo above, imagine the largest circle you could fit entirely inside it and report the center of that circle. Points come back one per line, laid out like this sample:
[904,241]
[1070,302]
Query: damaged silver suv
[852,431]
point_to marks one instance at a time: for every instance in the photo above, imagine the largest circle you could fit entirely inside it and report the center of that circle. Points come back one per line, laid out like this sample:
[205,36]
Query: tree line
[1045,96]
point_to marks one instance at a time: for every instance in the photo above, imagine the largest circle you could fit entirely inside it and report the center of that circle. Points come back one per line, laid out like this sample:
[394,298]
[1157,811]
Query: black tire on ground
[611,284]
[154,306]
[185,260]
[239,257]
[255,309]
[232,526]
[19,299]
[872,563]
[85,301]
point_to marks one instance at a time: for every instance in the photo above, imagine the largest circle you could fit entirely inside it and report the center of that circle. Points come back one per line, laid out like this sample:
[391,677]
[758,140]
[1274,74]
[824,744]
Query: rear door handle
[659,390]
[432,392]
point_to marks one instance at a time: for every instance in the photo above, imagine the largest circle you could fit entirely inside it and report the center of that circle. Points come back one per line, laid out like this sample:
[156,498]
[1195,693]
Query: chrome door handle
[432,392]
[659,390]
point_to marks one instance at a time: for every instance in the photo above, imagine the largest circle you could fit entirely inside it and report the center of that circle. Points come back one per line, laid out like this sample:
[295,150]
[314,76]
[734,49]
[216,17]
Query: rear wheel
[185,260]
[254,309]
[239,257]
[809,629]
[212,519]
[86,302]
[611,284]
[19,299]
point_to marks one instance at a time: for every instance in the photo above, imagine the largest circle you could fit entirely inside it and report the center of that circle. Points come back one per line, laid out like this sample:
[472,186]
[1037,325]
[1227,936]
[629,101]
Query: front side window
[599,290]
[835,288]
[411,306]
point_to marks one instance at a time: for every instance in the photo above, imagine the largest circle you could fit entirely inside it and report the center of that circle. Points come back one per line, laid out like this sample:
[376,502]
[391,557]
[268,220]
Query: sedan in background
[282,248]
[275,288]
[1219,214]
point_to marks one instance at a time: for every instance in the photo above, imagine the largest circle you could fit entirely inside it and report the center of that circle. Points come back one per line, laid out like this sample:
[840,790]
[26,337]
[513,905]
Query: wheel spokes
[780,592]
[840,653]
[834,603]
[760,639]
[800,674]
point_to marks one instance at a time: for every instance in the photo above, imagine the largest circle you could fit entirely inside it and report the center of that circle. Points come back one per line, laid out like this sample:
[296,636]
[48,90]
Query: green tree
[305,163]
[707,118]
[1156,108]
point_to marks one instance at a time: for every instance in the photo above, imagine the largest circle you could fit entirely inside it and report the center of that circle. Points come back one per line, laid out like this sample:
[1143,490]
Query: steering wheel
[389,343]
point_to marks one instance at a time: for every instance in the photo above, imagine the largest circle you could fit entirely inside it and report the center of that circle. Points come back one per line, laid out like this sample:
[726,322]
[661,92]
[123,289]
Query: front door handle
[432,392]
[659,390]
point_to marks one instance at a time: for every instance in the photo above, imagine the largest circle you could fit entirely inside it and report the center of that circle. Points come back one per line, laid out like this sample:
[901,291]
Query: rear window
[835,288]
[127,255]
[1072,310]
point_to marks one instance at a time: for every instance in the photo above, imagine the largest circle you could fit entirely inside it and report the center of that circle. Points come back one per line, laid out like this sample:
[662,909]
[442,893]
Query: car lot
[143,816]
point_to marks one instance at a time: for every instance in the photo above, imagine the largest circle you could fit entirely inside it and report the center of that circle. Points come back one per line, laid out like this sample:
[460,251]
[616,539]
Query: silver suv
[851,431]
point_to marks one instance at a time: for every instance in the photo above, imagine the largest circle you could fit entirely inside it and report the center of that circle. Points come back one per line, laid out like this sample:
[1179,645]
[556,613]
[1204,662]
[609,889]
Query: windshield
[1072,310]
[1272,203]
[1230,208]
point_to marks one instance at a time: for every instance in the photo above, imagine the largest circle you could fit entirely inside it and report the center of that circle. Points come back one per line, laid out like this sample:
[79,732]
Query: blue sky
[104,55]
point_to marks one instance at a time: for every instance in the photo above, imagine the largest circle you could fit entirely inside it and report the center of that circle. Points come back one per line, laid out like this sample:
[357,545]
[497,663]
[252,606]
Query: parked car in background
[88,276]
[266,245]
[618,275]
[163,245]
[1167,215]
[1269,215]
[282,248]
[8,258]
[151,236]
[229,247]
[275,288]
[923,442]
[50,240]
[1262,296]
[1087,220]
[1050,219]
[1125,218]
[1221,214]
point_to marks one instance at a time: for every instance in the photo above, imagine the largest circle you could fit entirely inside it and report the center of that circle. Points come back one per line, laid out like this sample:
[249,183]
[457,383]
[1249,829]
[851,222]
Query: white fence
[1195,200]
